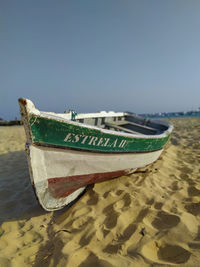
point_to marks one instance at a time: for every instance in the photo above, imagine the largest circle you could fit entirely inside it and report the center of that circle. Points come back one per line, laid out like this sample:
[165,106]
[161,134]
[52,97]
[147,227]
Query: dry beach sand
[150,218]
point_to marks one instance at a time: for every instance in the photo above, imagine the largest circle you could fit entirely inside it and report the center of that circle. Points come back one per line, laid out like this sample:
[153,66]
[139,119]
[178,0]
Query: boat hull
[59,176]
[68,134]
[65,156]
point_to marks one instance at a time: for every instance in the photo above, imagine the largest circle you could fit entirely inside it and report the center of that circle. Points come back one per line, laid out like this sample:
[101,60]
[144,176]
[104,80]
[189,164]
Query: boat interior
[116,121]
[128,122]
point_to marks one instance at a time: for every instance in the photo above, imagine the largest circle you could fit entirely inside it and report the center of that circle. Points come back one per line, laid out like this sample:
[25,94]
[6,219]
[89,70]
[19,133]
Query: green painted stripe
[51,132]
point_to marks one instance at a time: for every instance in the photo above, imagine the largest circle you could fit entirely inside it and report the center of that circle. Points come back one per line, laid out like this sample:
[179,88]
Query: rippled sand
[150,218]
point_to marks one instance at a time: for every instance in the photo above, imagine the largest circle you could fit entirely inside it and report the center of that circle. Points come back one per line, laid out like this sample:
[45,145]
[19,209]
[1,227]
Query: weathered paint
[60,187]
[46,163]
[52,132]
[72,169]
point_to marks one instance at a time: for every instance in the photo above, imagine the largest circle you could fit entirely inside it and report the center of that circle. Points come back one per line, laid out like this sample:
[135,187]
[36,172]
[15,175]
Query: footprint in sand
[119,192]
[193,191]
[139,180]
[141,215]
[127,233]
[165,253]
[127,200]
[165,220]
[174,186]
[31,237]
[81,212]
[93,260]
[173,254]
[123,203]
[85,239]
[113,211]
[158,205]
[174,141]
[106,194]
[121,239]
[185,173]
[193,208]
[112,249]
[80,221]
[111,216]
[93,198]
[150,201]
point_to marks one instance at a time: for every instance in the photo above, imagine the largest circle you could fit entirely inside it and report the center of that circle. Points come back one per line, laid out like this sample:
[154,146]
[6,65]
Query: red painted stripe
[60,187]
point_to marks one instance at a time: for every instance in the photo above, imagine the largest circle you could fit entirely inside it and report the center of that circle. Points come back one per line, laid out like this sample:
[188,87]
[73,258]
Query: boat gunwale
[62,148]
[31,110]
[31,115]
[165,133]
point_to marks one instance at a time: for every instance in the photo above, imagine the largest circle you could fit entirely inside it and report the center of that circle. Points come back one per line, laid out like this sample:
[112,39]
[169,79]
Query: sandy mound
[150,218]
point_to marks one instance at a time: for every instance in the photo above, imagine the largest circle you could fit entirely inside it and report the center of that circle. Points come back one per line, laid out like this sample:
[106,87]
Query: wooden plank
[137,125]
[116,126]
[151,123]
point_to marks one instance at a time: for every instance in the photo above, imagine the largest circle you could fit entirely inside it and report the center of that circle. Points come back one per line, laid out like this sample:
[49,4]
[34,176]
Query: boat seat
[116,126]
[137,125]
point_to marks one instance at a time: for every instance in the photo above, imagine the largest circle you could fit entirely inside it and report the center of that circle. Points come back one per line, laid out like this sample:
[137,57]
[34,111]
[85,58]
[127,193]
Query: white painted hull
[51,164]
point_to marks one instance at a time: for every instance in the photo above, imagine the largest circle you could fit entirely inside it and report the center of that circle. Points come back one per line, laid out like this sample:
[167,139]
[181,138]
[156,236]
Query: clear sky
[121,55]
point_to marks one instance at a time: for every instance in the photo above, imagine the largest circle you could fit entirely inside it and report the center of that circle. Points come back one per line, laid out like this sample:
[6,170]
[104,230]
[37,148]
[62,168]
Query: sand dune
[150,218]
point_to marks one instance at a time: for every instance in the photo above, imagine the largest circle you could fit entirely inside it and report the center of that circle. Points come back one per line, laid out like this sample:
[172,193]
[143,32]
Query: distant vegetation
[9,122]
[192,113]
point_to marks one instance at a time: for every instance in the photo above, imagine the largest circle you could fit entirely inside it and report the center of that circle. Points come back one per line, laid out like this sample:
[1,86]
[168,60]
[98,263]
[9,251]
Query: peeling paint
[51,132]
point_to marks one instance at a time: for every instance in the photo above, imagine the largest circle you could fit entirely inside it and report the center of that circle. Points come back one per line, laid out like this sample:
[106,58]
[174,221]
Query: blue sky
[136,55]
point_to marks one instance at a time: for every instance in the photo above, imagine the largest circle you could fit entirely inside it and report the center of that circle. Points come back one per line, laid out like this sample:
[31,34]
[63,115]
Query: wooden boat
[68,151]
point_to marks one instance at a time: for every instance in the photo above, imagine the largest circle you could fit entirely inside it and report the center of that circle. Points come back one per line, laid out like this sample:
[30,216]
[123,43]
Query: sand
[150,218]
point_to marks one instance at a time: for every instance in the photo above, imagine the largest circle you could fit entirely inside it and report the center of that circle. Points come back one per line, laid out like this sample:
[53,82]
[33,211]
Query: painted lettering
[68,137]
[73,140]
[114,144]
[77,137]
[93,140]
[107,140]
[122,143]
[84,139]
[100,142]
